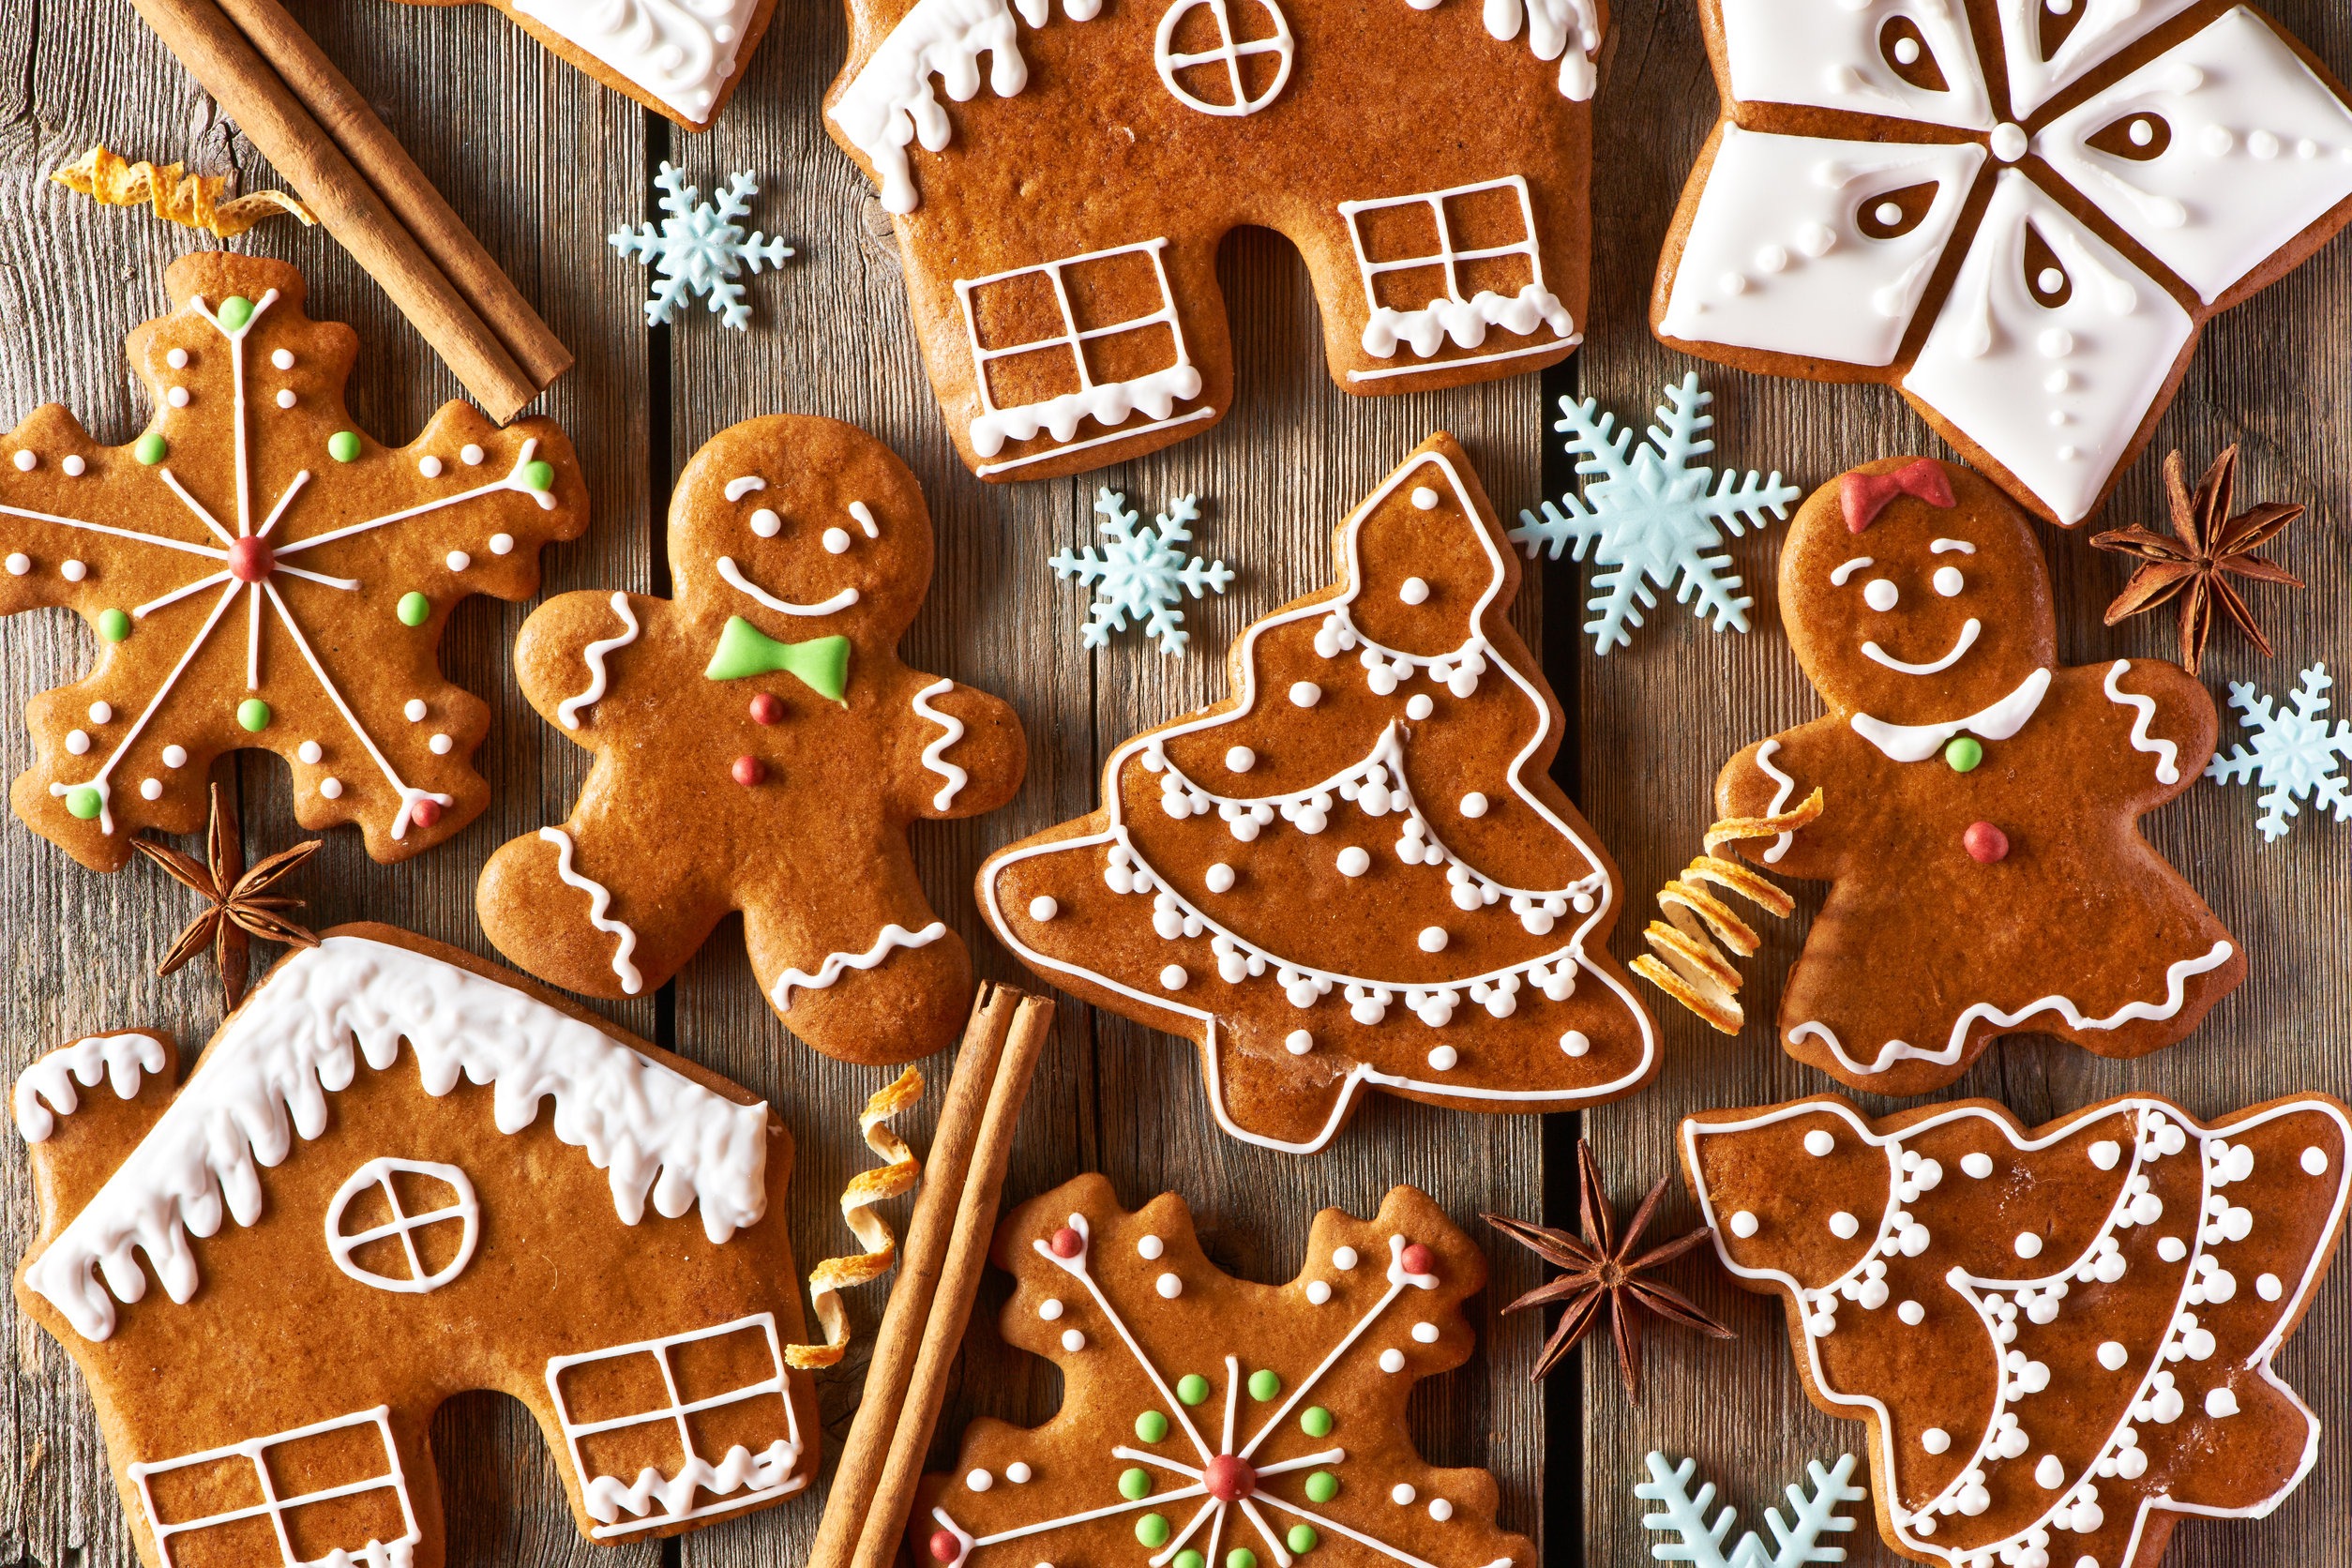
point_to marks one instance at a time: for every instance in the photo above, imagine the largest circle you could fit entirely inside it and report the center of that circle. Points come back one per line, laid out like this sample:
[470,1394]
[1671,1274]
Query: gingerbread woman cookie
[1980,797]
[260,574]
[2062,1339]
[681,61]
[759,747]
[1355,870]
[398,1174]
[1211,1420]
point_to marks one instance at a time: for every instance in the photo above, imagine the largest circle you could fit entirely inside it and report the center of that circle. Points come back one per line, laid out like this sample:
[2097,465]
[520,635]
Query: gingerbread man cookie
[759,747]
[1356,870]
[260,574]
[1980,797]
[2062,1339]
[680,61]
[361,1203]
[1211,1420]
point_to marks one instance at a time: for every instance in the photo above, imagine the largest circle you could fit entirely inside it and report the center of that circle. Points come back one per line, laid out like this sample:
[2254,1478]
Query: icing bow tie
[821,664]
[1864,495]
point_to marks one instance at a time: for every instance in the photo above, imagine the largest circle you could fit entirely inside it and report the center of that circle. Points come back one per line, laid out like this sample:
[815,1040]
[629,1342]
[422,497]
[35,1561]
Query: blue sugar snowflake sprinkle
[1700,1541]
[2294,753]
[699,248]
[1141,572]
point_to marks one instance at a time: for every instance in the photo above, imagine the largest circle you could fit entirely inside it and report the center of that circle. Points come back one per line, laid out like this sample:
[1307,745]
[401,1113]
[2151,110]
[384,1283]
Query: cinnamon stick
[224,62]
[344,115]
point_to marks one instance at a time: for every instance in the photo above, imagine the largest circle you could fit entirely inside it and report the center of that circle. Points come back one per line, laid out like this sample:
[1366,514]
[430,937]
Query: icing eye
[1906,54]
[1892,213]
[837,541]
[1880,594]
[1949,580]
[2045,280]
[766,523]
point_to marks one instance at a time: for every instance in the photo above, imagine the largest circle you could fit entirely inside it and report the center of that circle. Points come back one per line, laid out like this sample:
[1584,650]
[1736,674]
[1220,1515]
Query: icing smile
[1968,633]
[733,574]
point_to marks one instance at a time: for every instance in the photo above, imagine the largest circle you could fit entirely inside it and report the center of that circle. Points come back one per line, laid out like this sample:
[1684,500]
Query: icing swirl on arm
[934,754]
[568,709]
[2166,754]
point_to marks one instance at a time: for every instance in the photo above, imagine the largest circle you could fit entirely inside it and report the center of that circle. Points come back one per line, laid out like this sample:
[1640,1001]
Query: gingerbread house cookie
[1429,159]
[398,1174]
[681,61]
[2019,214]
[1355,871]
[1979,798]
[2062,1339]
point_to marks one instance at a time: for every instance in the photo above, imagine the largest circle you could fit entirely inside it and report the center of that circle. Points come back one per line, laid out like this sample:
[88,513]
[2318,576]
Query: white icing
[1987,362]
[1826,54]
[599,900]
[1787,785]
[2105,27]
[1940,545]
[1453,317]
[119,1059]
[1819,1142]
[2212,207]
[1844,569]
[1914,743]
[377,1174]
[678,50]
[398,1552]
[736,579]
[568,711]
[1551,26]
[2166,754]
[1838,292]
[744,485]
[1960,646]
[934,754]
[1229,53]
[265,1078]
[891,937]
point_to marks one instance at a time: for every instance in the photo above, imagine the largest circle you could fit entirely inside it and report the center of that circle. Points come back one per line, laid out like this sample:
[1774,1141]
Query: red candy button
[425,813]
[1418,1260]
[767,708]
[250,559]
[1985,843]
[1067,1243]
[749,772]
[1230,1478]
[944,1546]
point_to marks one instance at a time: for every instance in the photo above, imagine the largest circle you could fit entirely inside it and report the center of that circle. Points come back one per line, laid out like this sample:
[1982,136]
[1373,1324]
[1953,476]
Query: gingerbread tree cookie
[1431,160]
[681,61]
[2020,214]
[1211,1420]
[1980,796]
[2062,1339]
[759,747]
[1355,870]
[262,575]
[395,1175]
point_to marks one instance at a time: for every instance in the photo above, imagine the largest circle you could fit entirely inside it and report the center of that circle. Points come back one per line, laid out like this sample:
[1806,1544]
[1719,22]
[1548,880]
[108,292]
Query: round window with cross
[1225,59]
[413,1228]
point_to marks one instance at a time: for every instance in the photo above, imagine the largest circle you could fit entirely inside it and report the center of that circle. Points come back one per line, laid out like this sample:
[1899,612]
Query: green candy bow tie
[821,663]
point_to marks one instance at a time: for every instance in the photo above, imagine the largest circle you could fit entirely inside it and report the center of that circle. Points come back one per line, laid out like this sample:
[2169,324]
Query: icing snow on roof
[267,1075]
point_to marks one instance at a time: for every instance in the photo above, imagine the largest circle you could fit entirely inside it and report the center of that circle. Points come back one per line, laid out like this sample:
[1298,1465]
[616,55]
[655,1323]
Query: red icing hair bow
[1865,495]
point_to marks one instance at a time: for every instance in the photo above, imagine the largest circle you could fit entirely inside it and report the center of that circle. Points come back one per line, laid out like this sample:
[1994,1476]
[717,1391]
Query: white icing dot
[1440,1510]
[72,464]
[1906,52]
[1844,1225]
[2314,1161]
[1444,1058]
[101,712]
[1819,1142]
[150,789]
[414,709]
[2056,342]
[1149,1247]
[178,397]
[331,788]
[285,397]
[1772,258]
[1880,594]
[19,564]
[2269,1287]
[284,360]
[1911,1313]
[175,757]
[1744,1225]
[1949,581]
[1978,1164]
[1305,694]
[837,540]
[2050,1473]
[1240,759]
[2049,280]
[429,467]
[309,751]
[1414,591]
[25,460]
[1050,1308]
[2112,1356]
[1425,1334]
[979,1481]
[1432,939]
[1169,1286]
[1344,1259]
[469,455]
[1298,1042]
[1419,706]
[1220,878]
[1424,498]
[2172,1249]
[177,359]
[78,741]
[1473,804]
[459,560]
[1173,978]
[1402,1493]
[73,571]
[1043,908]
[1354,861]
[440,744]
[502,544]
[1318,1291]
[1073,1340]
[1888,214]
[1391,1361]
[1576,1042]
[2008,141]
[2029,1245]
[1017,1473]
[2220,1402]
[766,523]
[1935,1439]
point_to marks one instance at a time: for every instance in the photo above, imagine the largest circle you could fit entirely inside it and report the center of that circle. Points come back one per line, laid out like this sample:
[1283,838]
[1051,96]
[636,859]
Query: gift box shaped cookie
[397,1175]
[1430,159]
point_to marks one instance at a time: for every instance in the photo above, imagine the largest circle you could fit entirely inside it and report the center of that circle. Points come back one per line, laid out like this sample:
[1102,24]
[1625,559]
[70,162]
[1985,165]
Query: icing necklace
[1914,743]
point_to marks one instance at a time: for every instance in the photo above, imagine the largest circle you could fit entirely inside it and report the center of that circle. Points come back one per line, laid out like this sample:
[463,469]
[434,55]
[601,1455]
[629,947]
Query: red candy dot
[749,772]
[1230,1478]
[767,708]
[425,813]
[945,1545]
[1067,1243]
[250,559]
[1418,1260]
[1984,843]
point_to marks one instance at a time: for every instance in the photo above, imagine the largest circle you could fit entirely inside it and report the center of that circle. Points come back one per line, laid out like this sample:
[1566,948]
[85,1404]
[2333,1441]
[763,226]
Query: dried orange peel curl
[878,1185]
[1695,971]
[176,196]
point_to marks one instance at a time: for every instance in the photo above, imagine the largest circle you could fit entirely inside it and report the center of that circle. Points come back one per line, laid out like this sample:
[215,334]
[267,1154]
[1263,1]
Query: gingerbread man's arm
[2161,724]
[574,654]
[1775,775]
[953,752]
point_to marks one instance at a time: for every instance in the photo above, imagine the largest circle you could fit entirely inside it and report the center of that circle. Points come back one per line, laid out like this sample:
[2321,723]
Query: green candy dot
[1264,1384]
[1321,1486]
[235,311]
[1151,1426]
[1964,753]
[1190,1559]
[113,625]
[1240,1557]
[413,609]
[1303,1539]
[1192,1388]
[84,802]
[538,475]
[1134,1485]
[1316,1421]
[1152,1530]
[150,448]
[254,714]
[344,447]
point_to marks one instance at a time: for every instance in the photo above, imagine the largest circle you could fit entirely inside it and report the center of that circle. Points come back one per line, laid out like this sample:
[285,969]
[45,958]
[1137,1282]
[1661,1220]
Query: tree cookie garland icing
[1381,767]
[396,1153]
[2034,286]
[679,58]
[1211,1420]
[2062,1339]
[1444,247]
[1980,796]
[260,574]
[759,747]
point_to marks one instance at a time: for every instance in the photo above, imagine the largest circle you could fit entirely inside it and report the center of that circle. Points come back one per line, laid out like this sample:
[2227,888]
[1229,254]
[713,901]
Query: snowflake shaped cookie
[1142,572]
[2294,753]
[1211,1420]
[1815,1513]
[1650,516]
[262,575]
[2033,284]
[699,248]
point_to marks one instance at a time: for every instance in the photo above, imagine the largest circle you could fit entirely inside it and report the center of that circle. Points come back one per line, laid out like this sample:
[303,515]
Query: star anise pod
[2212,547]
[1601,1269]
[239,903]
